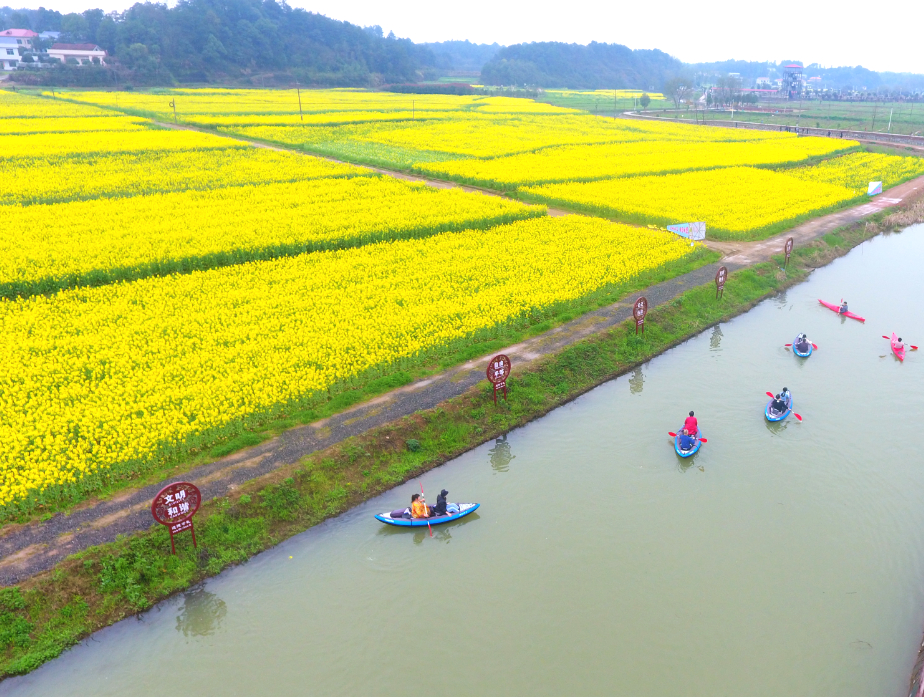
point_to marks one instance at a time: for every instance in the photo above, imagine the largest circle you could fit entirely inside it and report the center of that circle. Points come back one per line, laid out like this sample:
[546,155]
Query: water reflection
[781,300]
[715,341]
[201,614]
[501,455]
[637,381]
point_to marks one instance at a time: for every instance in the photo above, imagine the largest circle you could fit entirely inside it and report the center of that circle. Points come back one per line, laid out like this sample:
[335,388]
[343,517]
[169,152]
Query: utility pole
[890,121]
[173,104]
[614,105]
[413,111]
[298,89]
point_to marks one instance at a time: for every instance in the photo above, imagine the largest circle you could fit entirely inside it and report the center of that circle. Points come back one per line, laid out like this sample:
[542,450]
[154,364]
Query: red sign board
[639,312]
[788,250]
[720,277]
[174,506]
[498,372]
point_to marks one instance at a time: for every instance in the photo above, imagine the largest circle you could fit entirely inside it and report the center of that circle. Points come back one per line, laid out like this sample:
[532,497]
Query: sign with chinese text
[720,277]
[639,312]
[874,188]
[788,250]
[174,506]
[498,371]
[692,231]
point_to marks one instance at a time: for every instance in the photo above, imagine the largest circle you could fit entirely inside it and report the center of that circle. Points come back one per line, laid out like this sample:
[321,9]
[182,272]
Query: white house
[13,42]
[82,53]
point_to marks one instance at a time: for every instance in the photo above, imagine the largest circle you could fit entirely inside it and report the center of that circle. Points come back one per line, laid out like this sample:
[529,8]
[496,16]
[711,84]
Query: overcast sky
[877,35]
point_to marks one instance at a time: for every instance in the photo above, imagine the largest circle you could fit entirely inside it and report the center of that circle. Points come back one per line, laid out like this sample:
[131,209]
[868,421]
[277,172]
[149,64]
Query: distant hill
[211,40]
[595,66]
[846,77]
[463,55]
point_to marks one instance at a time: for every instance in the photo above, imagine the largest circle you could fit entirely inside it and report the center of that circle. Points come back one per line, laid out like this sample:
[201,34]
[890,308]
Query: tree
[20,20]
[645,100]
[75,26]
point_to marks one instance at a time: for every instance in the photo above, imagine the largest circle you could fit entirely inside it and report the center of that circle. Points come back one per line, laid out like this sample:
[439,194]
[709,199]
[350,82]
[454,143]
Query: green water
[782,560]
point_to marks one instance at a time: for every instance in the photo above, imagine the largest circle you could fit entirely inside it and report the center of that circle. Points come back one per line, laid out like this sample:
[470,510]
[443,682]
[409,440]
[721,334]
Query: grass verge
[41,617]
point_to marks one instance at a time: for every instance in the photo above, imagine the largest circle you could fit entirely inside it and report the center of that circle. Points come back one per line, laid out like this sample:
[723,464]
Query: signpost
[720,277]
[788,250]
[692,231]
[639,312]
[874,188]
[174,506]
[498,372]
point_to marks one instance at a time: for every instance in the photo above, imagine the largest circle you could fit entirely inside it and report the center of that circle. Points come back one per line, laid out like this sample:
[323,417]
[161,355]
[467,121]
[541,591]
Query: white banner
[692,231]
[874,188]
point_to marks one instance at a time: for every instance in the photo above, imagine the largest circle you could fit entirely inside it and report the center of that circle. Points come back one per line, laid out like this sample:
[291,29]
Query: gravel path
[29,549]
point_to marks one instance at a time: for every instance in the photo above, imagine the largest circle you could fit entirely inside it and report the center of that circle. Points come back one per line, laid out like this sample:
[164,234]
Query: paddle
[912,347]
[815,346]
[428,520]
[674,435]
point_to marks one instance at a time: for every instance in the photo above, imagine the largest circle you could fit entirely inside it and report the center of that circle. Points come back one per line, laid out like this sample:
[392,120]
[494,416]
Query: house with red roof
[13,43]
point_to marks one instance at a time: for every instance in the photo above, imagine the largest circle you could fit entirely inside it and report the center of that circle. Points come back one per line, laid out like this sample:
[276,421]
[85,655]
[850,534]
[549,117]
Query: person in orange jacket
[419,508]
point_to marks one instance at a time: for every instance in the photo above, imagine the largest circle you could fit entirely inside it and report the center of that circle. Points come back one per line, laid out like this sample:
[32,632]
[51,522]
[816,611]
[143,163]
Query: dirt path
[29,549]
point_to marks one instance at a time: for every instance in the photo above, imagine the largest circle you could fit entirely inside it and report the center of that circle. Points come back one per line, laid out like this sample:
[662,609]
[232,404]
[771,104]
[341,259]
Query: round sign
[720,276]
[176,503]
[498,369]
[640,309]
[789,246]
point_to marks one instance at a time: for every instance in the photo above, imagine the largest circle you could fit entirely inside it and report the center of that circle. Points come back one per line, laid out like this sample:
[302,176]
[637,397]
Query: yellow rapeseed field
[856,170]
[47,144]
[21,106]
[99,241]
[590,162]
[67,124]
[29,180]
[734,202]
[97,383]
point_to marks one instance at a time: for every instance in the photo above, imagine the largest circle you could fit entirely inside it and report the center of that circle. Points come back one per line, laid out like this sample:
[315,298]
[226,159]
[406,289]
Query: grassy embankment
[256,428]
[94,588]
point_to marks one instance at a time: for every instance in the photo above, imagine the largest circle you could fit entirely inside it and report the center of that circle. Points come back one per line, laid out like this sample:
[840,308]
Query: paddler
[691,425]
[443,507]
[686,440]
[842,310]
[778,406]
[419,508]
[802,343]
[898,345]
[786,397]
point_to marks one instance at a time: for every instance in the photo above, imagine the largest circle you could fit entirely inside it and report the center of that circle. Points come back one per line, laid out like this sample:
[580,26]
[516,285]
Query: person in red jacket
[691,425]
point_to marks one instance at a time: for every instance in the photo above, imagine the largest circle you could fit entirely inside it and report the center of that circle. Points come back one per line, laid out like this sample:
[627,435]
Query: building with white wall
[82,53]
[13,43]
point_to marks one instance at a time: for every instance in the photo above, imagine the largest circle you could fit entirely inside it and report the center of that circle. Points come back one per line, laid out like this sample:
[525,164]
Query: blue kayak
[798,353]
[776,416]
[407,522]
[691,451]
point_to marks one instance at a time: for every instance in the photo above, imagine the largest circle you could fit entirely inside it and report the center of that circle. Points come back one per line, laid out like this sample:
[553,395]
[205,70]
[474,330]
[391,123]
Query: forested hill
[844,77]
[198,40]
[595,66]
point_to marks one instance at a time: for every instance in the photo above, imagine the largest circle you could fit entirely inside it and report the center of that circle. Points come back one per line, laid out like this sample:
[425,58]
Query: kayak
[397,517]
[837,309]
[691,451]
[804,355]
[775,416]
[899,352]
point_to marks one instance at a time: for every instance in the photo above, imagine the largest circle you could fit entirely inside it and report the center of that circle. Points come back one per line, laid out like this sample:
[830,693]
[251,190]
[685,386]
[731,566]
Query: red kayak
[837,309]
[899,352]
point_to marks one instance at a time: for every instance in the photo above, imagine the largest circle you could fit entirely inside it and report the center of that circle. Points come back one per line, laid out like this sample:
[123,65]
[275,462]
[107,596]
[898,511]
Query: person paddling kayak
[687,441]
[842,310]
[690,424]
[778,406]
[802,343]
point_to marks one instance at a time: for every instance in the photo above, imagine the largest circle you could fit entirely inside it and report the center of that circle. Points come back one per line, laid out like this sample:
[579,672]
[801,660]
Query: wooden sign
[639,312]
[788,250]
[720,277]
[174,506]
[498,372]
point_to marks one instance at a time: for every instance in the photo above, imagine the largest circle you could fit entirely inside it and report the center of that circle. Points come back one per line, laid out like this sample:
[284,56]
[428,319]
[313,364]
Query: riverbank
[101,585]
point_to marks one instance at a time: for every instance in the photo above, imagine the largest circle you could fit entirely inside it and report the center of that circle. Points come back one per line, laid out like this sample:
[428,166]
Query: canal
[781,560]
